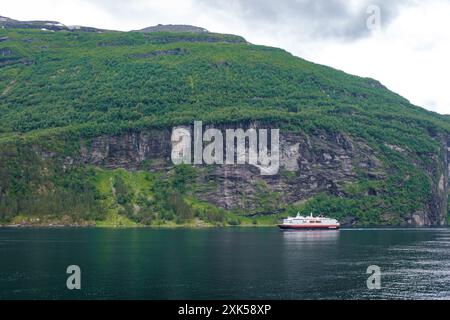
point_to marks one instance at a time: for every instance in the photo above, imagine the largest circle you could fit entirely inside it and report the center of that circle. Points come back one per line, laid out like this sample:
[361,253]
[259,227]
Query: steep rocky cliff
[309,165]
[87,119]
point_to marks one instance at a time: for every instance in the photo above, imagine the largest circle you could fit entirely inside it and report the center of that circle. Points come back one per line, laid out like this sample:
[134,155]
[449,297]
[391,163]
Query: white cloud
[409,55]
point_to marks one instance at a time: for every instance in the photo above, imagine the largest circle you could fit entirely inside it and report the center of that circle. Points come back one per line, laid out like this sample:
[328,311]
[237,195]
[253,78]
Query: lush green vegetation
[58,86]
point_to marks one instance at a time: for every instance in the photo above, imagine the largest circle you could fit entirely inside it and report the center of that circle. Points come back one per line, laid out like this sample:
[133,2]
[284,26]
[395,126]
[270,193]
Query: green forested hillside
[59,87]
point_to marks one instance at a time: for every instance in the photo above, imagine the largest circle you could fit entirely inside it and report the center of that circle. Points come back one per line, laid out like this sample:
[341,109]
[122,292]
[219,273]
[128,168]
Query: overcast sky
[409,53]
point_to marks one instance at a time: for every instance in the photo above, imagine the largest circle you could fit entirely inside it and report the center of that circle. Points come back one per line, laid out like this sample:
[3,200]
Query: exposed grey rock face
[4,52]
[440,172]
[309,164]
[129,150]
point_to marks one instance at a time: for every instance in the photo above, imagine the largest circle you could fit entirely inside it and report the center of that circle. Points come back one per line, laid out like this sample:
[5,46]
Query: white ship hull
[308,227]
[309,223]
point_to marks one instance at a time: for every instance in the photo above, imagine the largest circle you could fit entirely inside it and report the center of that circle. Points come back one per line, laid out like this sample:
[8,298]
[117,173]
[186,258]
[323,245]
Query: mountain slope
[178,28]
[86,120]
[8,23]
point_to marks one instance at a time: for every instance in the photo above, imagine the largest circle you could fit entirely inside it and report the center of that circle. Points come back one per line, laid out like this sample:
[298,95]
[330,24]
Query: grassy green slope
[57,86]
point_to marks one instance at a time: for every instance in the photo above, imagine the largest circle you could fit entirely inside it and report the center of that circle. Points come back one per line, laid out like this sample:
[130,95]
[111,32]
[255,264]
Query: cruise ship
[309,223]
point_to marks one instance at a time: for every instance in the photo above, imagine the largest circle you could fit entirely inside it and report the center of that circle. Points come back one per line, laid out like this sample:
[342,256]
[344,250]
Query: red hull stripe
[283,226]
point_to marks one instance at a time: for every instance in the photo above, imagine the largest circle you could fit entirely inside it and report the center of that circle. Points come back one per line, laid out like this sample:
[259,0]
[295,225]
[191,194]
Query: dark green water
[240,263]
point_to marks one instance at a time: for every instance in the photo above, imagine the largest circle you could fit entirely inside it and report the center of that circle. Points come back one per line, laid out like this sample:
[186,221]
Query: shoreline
[13,226]
[103,225]
[115,221]
[193,227]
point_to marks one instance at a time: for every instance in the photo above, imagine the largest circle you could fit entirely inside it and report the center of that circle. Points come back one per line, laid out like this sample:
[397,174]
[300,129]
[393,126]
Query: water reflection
[236,263]
[309,236]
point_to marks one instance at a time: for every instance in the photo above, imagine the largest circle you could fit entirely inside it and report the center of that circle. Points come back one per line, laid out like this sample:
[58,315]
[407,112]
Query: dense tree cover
[58,86]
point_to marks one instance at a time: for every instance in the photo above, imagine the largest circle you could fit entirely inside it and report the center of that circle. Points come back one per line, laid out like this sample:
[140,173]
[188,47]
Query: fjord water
[230,263]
